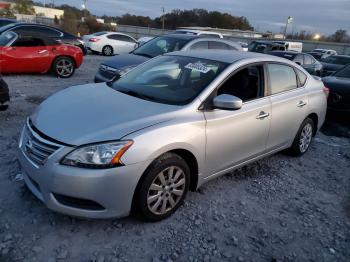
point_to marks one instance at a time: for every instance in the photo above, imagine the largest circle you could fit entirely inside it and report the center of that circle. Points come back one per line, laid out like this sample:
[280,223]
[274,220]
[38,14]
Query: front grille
[36,148]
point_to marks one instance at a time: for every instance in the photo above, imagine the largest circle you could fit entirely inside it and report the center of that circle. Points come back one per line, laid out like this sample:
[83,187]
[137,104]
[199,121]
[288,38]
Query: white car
[110,43]
[325,52]
[198,32]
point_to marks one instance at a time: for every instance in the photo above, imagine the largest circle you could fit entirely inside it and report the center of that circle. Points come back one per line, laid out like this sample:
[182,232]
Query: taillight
[94,40]
[326,91]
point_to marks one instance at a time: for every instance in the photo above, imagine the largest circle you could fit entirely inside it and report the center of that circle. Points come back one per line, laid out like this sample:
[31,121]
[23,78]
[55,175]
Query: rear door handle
[262,115]
[42,51]
[301,104]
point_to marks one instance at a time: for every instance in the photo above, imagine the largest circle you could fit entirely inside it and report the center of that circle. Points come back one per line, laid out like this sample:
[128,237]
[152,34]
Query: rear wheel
[163,188]
[63,67]
[303,138]
[107,50]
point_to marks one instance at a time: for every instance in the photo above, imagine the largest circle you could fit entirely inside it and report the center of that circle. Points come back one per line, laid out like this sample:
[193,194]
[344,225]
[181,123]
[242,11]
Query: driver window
[28,42]
[246,84]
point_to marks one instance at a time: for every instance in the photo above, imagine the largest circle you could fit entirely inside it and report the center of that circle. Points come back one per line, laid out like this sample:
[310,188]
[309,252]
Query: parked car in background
[199,32]
[265,46]
[333,63]
[4,95]
[110,43]
[308,62]
[291,46]
[316,55]
[325,52]
[47,31]
[37,54]
[339,90]
[144,39]
[6,21]
[170,125]
[244,46]
[119,65]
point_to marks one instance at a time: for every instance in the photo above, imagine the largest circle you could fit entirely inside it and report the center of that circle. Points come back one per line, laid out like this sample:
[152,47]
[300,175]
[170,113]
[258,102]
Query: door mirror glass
[227,102]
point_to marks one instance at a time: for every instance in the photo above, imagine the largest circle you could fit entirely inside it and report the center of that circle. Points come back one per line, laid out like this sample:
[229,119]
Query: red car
[37,54]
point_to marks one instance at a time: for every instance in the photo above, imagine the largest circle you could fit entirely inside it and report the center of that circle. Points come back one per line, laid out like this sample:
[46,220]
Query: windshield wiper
[143,54]
[136,94]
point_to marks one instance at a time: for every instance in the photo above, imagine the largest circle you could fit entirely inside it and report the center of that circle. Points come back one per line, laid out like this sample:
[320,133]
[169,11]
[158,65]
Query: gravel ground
[278,209]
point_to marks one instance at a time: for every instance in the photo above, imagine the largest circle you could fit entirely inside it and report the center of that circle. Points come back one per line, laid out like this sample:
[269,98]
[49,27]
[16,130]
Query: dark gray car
[119,65]
[332,64]
[308,62]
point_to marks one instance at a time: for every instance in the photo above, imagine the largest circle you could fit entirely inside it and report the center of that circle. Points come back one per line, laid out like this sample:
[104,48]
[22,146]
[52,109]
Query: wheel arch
[190,160]
[314,118]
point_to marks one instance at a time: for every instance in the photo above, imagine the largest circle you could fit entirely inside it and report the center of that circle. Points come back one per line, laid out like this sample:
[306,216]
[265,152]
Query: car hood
[96,113]
[125,61]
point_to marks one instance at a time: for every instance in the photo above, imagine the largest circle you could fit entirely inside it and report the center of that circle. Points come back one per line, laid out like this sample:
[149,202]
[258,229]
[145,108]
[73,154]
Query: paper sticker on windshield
[198,67]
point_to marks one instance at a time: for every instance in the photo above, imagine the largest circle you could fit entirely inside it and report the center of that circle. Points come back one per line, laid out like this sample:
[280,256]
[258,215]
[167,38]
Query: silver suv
[167,126]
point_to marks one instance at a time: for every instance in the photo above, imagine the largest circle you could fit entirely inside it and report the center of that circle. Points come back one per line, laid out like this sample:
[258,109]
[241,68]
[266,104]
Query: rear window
[99,33]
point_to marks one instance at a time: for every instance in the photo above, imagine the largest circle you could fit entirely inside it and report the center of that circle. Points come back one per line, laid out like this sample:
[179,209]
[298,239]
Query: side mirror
[227,102]
[115,78]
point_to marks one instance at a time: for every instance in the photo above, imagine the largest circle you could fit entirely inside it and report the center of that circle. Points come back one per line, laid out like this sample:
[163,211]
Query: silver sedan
[166,127]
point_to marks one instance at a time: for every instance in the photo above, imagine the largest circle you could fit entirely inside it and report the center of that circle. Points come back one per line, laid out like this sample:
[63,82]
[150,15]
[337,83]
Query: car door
[289,104]
[26,55]
[130,43]
[234,137]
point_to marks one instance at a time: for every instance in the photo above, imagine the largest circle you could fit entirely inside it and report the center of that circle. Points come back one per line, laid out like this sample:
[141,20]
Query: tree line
[73,21]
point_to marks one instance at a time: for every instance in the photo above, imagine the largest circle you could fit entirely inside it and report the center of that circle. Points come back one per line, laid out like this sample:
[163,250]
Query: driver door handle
[301,104]
[262,115]
[42,51]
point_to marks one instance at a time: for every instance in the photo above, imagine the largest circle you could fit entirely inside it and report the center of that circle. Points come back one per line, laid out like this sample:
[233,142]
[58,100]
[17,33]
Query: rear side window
[308,60]
[121,38]
[302,77]
[282,78]
[200,45]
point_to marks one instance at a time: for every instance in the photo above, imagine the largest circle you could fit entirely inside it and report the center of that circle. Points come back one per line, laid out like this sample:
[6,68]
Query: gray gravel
[278,209]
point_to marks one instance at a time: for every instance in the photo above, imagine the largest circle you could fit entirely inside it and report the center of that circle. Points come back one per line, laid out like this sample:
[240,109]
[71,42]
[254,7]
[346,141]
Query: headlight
[105,155]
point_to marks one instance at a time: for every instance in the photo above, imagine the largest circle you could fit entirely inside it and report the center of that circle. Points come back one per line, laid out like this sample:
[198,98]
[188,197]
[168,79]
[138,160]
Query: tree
[24,7]
[7,12]
[339,36]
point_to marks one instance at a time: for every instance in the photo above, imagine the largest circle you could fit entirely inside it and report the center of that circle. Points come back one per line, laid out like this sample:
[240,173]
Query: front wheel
[163,188]
[107,50]
[303,138]
[63,67]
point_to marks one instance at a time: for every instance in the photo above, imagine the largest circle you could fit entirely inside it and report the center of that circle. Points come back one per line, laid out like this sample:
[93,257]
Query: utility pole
[289,20]
[163,18]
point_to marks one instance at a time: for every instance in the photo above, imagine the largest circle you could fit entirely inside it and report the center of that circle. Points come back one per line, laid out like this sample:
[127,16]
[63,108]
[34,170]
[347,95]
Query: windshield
[159,46]
[174,80]
[344,72]
[338,60]
[319,51]
[7,38]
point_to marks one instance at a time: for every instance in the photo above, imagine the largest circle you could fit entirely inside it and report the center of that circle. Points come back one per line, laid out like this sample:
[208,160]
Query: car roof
[181,36]
[225,56]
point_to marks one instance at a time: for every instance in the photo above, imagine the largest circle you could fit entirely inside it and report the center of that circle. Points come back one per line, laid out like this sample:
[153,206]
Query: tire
[157,200]
[107,50]
[303,138]
[63,67]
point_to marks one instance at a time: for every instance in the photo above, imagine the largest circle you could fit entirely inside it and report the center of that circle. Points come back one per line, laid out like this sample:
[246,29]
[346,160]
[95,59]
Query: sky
[315,16]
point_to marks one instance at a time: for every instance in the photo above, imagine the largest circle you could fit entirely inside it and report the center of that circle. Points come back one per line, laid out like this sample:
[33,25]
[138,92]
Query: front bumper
[90,193]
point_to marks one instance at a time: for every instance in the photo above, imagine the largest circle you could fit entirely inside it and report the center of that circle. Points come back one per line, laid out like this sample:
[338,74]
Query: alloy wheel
[64,67]
[305,137]
[107,51]
[166,190]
